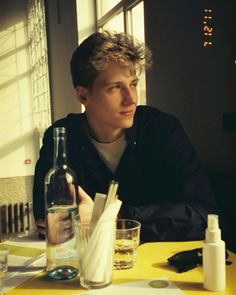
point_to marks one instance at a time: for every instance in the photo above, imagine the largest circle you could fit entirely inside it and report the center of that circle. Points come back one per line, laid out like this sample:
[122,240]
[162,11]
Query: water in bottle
[61,199]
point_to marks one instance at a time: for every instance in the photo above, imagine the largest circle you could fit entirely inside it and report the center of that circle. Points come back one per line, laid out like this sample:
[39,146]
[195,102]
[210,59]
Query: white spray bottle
[213,252]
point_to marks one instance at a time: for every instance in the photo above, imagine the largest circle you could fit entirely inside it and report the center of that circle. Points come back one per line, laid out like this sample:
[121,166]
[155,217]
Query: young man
[161,182]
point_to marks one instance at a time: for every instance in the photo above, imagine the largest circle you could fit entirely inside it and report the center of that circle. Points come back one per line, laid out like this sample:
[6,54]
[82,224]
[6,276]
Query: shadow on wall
[19,188]
[16,189]
[14,144]
[224,187]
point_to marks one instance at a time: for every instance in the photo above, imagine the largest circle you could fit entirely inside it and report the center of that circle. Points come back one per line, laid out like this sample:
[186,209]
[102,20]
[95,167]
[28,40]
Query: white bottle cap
[213,233]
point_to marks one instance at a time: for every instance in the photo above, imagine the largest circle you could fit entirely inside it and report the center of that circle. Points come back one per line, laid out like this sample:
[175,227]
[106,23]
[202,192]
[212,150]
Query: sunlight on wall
[85,18]
[16,118]
[85,22]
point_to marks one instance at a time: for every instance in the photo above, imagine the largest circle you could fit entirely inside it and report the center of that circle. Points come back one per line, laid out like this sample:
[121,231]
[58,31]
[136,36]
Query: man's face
[111,102]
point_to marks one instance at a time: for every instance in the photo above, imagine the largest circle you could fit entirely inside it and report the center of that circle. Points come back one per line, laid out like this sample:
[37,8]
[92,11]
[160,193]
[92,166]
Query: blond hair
[99,49]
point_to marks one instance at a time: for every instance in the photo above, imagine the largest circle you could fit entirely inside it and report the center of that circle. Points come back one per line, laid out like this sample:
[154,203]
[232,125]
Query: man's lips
[127,113]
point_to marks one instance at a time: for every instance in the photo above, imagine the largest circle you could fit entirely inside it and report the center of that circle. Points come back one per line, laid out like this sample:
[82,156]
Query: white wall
[85,18]
[18,142]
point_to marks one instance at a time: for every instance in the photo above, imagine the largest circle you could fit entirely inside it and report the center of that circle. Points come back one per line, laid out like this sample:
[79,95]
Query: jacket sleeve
[170,222]
[184,217]
[42,167]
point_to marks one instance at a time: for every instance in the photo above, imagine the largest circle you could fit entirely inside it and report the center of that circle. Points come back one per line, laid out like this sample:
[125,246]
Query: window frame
[124,6]
[38,50]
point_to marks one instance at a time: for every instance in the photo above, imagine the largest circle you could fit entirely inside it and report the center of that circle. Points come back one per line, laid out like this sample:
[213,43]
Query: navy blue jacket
[162,183]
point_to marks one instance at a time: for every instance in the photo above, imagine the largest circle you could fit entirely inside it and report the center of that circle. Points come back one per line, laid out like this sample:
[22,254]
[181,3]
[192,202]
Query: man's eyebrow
[119,82]
[112,83]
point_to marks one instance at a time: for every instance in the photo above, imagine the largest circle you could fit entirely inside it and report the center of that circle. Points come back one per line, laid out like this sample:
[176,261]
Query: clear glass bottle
[61,200]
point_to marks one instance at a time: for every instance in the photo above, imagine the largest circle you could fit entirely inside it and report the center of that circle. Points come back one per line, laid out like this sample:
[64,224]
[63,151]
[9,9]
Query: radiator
[15,219]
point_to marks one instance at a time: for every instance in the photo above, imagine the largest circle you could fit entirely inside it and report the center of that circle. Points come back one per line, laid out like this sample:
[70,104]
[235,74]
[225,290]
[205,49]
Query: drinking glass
[96,249]
[126,243]
[3,261]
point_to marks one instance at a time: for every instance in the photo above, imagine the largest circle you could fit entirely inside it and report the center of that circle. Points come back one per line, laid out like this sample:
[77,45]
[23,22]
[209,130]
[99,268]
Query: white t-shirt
[110,153]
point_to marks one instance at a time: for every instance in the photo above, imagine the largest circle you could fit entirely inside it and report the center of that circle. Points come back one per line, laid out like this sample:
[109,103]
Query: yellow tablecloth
[151,263]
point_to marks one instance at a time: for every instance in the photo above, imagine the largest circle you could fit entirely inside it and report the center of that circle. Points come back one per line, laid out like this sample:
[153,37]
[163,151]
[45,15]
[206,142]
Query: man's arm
[183,216]
[169,222]
[85,211]
[44,163]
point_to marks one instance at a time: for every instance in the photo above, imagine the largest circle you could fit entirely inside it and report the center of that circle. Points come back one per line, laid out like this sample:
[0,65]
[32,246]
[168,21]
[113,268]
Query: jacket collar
[130,133]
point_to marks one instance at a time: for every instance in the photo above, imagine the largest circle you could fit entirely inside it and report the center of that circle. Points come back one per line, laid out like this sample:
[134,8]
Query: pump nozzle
[212,221]
[213,233]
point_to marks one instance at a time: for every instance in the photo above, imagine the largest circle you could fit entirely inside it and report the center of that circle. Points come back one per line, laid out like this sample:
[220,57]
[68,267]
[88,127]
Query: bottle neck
[213,236]
[60,154]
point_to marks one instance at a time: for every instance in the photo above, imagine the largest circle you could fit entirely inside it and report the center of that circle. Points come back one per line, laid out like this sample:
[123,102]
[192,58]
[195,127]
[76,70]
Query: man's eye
[115,87]
[134,85]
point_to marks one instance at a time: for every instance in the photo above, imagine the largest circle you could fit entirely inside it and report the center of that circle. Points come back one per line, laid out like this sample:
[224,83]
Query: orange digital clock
[207,28]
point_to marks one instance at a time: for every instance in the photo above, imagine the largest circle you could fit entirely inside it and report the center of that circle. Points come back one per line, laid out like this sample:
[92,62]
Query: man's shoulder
[72,122]
[149,115]
[70,119]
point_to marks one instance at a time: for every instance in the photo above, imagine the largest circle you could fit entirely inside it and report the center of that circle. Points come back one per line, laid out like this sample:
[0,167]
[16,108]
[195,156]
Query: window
[115,24]
[39,64]
[136,28]
[124,16]
[104,6]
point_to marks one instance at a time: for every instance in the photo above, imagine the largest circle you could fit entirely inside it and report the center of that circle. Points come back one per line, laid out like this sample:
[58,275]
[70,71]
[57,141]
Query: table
[151,263]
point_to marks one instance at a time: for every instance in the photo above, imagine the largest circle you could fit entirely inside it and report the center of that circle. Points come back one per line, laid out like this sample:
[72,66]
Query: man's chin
[127,123]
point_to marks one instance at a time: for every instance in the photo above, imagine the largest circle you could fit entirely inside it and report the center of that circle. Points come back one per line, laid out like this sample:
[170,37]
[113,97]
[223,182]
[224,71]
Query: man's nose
[129,95]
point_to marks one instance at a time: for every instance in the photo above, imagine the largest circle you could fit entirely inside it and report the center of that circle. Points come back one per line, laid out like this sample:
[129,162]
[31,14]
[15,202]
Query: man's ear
[81,93]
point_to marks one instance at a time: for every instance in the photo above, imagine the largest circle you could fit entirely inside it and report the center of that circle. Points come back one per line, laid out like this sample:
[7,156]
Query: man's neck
[104,136]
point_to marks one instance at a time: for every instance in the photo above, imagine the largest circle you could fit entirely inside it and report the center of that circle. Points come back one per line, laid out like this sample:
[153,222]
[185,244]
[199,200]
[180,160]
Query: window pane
[39,64]
[105,5]
[116,23]
[137,21]
[136,28]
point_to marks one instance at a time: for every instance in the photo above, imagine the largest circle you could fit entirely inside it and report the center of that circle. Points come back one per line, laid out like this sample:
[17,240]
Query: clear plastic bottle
[61,199]
[213,256]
